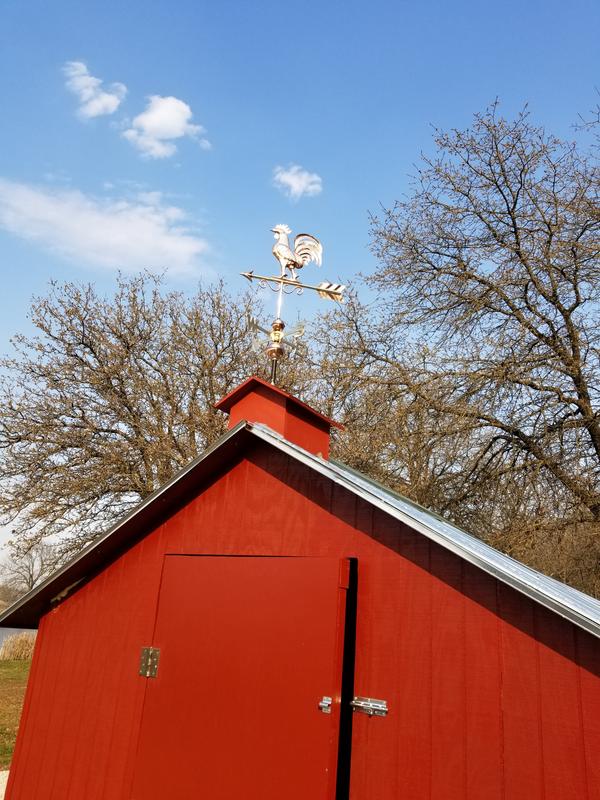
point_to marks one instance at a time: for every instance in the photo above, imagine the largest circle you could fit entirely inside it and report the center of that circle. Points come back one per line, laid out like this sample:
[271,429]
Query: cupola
[255,400]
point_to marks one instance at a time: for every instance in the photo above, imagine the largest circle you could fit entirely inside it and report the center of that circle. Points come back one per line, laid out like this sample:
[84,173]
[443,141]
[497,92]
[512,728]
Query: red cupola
[256,400]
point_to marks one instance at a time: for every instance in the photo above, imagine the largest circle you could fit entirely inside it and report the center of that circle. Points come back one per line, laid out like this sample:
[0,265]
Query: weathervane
[306,249]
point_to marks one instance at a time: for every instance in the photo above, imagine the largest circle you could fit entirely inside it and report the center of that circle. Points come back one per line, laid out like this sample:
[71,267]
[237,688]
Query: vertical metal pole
[273,370]
[279,301]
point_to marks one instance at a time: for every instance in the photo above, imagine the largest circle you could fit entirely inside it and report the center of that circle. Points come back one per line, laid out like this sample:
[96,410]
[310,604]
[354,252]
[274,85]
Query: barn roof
[575,606]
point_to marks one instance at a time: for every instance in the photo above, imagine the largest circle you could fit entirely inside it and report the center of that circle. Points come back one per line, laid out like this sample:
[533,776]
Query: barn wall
[491,695]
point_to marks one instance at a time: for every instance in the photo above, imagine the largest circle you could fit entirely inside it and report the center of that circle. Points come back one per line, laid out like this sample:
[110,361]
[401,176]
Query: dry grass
[18,647]
[13,680]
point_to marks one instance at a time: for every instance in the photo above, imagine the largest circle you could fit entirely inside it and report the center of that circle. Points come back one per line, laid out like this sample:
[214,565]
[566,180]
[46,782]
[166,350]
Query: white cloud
[165,119]
[296,182]
[94,100]
[142,232]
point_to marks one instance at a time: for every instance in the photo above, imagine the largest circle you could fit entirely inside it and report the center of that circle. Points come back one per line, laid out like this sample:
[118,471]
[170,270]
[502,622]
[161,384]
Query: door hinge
[325,705]
[149,662]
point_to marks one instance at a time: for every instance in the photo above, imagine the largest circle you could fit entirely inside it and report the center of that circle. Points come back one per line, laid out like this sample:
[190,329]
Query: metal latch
[370,706]
[325,705]
[149,662]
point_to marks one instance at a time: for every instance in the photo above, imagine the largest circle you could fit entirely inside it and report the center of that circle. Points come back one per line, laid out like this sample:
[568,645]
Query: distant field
[13,679]
[6,632]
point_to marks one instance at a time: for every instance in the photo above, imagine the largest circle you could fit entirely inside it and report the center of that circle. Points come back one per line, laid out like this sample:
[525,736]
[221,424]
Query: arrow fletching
[331,291]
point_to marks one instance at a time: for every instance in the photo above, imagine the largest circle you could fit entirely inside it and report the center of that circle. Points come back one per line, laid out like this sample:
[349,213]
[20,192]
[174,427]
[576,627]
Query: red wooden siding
[490,695]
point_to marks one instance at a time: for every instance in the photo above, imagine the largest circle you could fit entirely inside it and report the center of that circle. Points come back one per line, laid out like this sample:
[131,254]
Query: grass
[13,680]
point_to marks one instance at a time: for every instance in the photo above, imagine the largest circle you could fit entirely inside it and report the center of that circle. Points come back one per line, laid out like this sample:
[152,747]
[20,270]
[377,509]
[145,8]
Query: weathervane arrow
[325,289]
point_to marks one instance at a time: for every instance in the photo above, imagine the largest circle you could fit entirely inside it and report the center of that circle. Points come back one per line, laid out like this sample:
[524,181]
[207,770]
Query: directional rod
[325,289]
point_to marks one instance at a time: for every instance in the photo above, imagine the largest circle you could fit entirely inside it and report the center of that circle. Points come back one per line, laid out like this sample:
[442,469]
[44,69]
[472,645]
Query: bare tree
[393,437]
[8,595]
[21,572]
[490,285]
[482,346]
[408,440]
[110,398]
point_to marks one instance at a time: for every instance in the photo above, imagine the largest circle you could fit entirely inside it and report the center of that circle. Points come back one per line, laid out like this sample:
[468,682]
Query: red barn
[271,624]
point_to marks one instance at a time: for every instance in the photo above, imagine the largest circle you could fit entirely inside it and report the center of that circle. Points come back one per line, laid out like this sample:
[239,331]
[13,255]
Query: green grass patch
[13,680]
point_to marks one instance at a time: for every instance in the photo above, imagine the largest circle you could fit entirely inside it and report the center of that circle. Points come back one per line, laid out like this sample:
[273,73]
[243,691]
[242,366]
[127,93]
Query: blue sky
[171,161]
